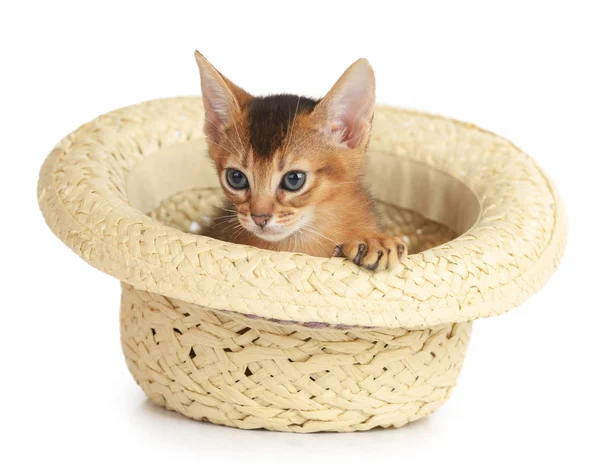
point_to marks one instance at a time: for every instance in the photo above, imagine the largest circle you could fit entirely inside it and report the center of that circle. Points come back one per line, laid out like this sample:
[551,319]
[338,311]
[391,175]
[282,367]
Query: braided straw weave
[252,338]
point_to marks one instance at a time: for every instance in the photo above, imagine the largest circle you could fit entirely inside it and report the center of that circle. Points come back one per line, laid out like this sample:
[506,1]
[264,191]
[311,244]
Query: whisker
[220,224]
[239,232]
[317,234]
[228,220]
[330,213]
[224,216]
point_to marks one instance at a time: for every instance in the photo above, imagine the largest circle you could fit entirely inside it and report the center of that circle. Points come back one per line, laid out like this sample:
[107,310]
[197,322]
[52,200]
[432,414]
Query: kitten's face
[282,159]
[272,202]
[276,168]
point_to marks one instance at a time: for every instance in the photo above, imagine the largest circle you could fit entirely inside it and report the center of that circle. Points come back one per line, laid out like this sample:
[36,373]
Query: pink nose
[261,219]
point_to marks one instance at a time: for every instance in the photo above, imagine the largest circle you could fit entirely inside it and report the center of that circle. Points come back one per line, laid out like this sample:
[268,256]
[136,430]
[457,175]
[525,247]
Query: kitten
[292,168]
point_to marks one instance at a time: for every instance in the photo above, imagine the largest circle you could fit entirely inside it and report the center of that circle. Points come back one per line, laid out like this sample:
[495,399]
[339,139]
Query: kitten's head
[284,160]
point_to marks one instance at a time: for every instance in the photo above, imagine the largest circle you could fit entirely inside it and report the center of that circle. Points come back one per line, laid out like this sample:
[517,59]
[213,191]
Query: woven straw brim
[97,185]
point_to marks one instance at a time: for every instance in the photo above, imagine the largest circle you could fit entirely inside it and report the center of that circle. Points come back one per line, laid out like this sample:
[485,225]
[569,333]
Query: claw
[401,250]
[376,264]
[361,253]
[338,251]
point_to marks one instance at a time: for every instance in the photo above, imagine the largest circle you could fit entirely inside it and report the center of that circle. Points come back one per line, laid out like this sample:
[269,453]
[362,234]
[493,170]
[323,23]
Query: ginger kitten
[292,168]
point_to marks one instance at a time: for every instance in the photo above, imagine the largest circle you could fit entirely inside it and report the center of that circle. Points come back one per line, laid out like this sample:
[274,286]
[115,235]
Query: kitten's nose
[261,219]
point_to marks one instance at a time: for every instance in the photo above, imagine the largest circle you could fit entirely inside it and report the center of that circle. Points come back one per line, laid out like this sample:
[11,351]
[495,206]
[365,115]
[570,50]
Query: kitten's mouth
[275,232]
[272,234]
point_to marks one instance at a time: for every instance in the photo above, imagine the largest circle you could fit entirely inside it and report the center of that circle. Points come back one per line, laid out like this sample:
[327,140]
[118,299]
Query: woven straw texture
[252,338]
[250,373]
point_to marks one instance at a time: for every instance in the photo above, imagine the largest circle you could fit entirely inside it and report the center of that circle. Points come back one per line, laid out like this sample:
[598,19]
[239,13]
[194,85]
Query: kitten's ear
[222,99]
[345,113]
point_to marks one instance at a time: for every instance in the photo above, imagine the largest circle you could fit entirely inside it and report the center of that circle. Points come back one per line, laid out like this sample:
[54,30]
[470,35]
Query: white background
[528,71]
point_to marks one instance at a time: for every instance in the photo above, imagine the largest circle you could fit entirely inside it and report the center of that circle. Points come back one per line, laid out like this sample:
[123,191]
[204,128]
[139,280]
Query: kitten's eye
[236,179]
[293,181]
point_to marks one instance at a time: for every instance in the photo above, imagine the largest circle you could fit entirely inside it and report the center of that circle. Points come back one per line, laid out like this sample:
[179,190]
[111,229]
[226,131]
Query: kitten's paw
[378,253]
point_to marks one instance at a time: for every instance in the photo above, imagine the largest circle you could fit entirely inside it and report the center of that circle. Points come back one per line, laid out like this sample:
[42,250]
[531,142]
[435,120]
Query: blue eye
[236,179]
[293,181]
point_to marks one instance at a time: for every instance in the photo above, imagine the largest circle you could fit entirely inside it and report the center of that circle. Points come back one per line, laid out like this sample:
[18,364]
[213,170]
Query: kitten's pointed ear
[223,100]
[345,113]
